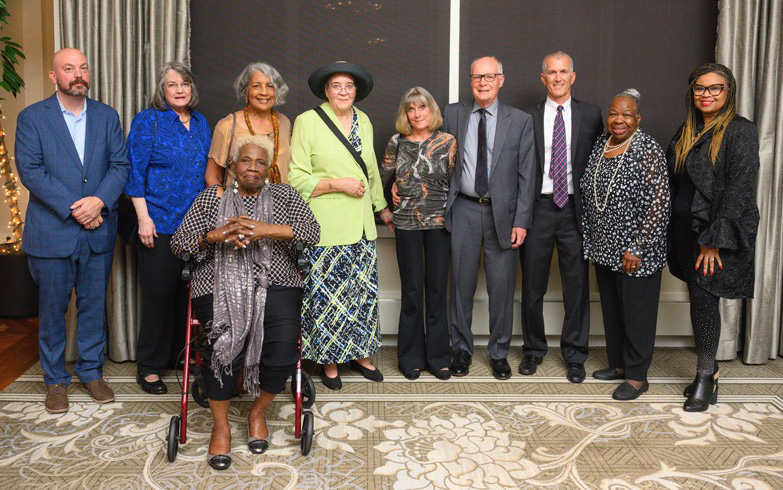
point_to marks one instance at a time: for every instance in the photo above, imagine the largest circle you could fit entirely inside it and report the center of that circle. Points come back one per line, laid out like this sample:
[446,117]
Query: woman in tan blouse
[261,88]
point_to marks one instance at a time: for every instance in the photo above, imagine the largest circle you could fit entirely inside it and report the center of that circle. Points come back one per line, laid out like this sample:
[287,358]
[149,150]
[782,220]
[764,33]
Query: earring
[236,186]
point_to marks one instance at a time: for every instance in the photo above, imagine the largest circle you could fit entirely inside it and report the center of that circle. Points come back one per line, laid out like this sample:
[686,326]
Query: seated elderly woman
[625,196]
[246,289]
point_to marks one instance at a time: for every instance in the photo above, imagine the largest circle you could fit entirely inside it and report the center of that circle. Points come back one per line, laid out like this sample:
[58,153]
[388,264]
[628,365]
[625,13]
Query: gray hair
[159,97]
[242,83]
[556,54]
[256,140]
[632,94]
[500,65]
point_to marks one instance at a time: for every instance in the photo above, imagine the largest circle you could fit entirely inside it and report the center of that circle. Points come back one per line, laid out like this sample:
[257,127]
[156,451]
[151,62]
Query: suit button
[52,211]
[84,180]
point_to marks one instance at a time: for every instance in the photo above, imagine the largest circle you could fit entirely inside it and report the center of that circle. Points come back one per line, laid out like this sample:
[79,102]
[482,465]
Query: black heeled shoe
[688,389]
[219,462]
[256,445]
[704,394]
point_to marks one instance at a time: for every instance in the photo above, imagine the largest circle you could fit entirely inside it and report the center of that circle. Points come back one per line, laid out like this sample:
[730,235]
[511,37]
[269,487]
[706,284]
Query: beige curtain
[126,43]
[750,42]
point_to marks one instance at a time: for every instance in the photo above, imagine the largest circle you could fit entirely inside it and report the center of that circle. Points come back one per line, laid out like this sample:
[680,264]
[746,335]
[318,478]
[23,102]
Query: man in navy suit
[488,210]
[565,130]
[70,154]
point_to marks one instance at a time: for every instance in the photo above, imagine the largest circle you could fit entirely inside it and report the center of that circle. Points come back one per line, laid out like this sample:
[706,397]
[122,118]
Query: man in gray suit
[489,207]
[565,130]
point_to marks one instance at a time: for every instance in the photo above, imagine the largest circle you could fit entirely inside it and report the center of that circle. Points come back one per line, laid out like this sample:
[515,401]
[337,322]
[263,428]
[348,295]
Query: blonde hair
[252,139]
[417,95]
[689,137]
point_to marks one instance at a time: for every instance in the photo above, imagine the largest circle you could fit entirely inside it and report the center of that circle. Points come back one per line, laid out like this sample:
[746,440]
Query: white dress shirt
[550,111]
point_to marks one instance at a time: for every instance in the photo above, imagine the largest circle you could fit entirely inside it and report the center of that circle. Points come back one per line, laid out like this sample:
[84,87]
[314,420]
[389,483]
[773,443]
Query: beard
[70,90]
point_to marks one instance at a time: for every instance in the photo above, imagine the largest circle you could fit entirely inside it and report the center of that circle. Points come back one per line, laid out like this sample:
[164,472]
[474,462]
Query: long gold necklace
[274,170]
[611,181]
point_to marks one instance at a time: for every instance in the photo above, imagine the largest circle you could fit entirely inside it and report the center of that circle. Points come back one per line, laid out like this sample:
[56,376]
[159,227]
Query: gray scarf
[239,297]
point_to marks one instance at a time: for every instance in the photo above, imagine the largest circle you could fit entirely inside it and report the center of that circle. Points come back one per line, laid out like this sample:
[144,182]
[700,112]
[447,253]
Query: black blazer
[586,125]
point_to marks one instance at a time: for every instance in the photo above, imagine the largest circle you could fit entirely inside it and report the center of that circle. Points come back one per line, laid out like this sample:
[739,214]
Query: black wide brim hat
[361,78]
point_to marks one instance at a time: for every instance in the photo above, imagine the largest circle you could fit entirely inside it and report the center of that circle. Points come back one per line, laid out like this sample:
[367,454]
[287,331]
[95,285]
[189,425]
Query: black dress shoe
[219,461]
[626,391]
[688,389]
[332,383]
[412,374]
[576,372]
[529,364]
[704,393]
[442,374]
[500,368]
[608,374]
[371,374]
[461,364]
[152,387]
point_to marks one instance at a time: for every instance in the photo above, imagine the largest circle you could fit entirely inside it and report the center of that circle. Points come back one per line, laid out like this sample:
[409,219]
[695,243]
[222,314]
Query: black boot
[687,391]
[704,394]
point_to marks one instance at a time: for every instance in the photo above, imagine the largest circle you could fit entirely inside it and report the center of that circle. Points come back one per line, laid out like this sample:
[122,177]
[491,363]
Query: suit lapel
[60,129]
[89,135]
[501,130]
[538,125]
[462,129]
[576,119]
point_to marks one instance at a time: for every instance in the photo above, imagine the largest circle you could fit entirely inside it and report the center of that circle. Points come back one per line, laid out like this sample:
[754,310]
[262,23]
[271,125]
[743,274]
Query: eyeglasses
[337,88]
[174,85]
[713,90]
[489,77]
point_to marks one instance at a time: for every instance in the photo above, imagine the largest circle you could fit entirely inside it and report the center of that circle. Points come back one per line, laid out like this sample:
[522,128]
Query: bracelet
[204,238]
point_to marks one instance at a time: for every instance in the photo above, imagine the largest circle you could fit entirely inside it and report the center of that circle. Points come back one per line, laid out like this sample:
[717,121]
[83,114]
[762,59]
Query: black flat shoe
[500,368]
[442,374]
[371,374]
[704,394]
[576,372]
[412,374]
[529,364]
[256,445]
[626,391]
[332,383]
[608,374]
[152,387]
[219,462]
[461,364]
[688,389]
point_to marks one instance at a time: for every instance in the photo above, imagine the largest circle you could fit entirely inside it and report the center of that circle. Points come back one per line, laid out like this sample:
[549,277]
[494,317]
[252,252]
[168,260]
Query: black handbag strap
[330,124]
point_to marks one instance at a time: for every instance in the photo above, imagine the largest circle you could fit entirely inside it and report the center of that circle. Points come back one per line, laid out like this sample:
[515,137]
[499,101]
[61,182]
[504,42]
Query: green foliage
[10,52]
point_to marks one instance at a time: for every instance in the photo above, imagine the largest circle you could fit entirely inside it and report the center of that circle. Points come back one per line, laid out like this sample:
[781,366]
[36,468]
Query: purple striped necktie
[558,166]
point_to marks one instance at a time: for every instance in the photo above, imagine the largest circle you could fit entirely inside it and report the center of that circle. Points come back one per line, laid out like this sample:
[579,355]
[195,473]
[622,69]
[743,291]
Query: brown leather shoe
[56,399]
[99,391]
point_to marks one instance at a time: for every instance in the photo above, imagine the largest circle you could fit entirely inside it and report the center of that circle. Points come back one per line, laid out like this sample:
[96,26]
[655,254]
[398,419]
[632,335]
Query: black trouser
[423,258]
[281,344]
[555,226]
[164,297]
[705,311]
[630,310]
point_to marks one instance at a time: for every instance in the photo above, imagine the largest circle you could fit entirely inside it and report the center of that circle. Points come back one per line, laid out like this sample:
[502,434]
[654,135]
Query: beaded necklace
[611,181]
[274,171]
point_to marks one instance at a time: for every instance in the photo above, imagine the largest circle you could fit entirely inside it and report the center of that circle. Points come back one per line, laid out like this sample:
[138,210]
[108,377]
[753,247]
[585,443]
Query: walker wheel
[198,393]
[307,432]
[172,439]
[308,390]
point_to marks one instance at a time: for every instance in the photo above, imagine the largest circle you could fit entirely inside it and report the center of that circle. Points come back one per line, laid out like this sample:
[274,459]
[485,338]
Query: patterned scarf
[239,297]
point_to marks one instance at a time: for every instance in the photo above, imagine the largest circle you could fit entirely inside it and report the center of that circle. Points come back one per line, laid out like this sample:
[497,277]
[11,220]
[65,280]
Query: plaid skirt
[340,304]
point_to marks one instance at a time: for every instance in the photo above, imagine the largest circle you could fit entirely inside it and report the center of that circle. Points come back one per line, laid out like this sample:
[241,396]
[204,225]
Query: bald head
[70,72]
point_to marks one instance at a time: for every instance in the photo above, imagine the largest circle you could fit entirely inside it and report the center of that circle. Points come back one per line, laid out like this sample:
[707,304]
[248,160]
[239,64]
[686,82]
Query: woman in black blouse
[246,289]
[625,195]
[713,163]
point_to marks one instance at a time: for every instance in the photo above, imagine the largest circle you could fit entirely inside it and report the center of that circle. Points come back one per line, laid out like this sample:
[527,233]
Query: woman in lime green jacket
[338,178]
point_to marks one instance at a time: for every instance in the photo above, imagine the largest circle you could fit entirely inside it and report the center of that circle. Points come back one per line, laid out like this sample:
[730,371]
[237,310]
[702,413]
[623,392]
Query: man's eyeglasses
[713,90]
[489,77]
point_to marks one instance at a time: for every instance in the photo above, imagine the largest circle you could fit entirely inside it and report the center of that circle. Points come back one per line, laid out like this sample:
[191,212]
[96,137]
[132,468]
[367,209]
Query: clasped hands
[87,212]
[239,231]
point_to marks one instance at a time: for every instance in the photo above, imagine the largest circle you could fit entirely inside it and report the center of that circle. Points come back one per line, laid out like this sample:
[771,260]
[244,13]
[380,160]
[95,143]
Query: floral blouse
[423,171]
[634,188]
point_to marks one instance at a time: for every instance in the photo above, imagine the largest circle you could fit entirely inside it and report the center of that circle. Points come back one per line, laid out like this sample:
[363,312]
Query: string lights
[14,243]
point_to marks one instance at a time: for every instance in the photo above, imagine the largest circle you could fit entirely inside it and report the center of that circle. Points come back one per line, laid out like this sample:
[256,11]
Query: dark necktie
[481,182]
[558,166]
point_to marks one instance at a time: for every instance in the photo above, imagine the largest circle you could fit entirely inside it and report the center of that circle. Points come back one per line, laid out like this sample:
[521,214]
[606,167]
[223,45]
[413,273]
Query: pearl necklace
[611,181]
[610,148]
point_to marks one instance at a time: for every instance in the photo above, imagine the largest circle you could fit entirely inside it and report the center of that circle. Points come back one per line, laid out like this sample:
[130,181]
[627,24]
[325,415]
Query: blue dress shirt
[77,126]
[168,163]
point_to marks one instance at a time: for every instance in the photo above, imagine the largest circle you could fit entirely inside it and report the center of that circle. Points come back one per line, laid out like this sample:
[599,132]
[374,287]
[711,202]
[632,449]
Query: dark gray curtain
[126,43]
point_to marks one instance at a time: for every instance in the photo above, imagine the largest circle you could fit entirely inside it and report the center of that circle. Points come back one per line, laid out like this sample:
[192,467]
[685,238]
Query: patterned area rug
[474,432]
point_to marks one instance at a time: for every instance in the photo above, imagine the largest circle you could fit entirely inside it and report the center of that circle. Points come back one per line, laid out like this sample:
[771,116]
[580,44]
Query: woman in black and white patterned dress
[625,193]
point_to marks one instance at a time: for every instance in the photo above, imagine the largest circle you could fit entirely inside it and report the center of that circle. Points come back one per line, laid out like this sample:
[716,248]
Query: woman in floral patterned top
[422,159]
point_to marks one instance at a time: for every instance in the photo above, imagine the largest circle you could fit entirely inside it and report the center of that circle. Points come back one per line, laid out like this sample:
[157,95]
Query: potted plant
[18,292]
